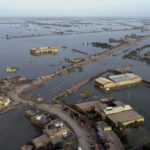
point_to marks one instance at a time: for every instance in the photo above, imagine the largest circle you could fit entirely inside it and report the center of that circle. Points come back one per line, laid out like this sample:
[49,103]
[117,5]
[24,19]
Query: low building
[125,117]
[43,50]
[113,110]
[117,81]
[41,141]
[53,133]
[39,120]
[104,83]
[87,106]
[11,69]
[4,101]
[30,113]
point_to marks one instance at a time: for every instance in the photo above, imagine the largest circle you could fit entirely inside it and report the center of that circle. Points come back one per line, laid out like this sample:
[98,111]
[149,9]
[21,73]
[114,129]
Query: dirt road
[81,133]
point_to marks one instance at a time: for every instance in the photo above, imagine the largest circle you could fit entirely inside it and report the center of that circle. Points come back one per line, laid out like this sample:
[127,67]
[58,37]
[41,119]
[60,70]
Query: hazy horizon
[78,8]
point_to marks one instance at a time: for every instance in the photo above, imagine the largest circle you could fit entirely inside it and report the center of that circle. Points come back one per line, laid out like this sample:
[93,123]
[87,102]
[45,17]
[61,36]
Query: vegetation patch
[101,45]
[93,116]
[125,139]
[136,55]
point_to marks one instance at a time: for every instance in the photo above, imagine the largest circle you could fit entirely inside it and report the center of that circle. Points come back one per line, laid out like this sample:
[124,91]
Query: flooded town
[74,83]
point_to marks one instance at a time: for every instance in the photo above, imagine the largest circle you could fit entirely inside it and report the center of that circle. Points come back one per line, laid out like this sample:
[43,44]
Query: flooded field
[16,52]
[17,27]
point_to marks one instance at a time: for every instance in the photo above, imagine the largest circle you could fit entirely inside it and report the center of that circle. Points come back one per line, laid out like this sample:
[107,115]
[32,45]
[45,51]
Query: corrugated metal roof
[103,80]
[122,77]
[131,75]
[117,76]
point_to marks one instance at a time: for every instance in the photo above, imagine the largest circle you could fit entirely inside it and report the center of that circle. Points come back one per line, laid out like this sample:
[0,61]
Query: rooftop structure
[43,50]
[97,104]
[11,69]
[117,81]
[39,120]
[87,106]
[123,77]
[41,141]
[125,117]
[53,133]
[4,101]
[116,109]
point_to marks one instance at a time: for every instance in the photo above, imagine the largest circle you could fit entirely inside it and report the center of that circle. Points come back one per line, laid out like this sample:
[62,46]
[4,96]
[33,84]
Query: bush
[102,45]
[92,116]
[136,124]
[59,145]
[124,138]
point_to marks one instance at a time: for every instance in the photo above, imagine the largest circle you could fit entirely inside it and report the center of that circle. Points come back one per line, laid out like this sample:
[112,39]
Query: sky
[78,8]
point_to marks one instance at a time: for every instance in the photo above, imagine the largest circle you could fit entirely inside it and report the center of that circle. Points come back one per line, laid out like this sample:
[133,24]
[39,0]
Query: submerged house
[43,50]
[4,101]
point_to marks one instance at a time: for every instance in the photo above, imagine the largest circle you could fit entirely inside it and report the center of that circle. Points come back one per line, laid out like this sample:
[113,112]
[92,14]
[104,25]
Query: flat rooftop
[116,78]
[98,104]
[88,105]
[126,117]
[103,80]
[40,141]
[123,77]
[51,133]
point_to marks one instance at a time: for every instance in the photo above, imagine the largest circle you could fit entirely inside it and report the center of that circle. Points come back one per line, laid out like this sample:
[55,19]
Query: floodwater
[16,52]
[15,130]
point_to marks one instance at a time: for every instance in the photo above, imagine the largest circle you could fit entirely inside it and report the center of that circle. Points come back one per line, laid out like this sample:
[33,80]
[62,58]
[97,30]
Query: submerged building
[43,50]
[117,81]
[4,101]
[11,69]
[112,110]
[126,117]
